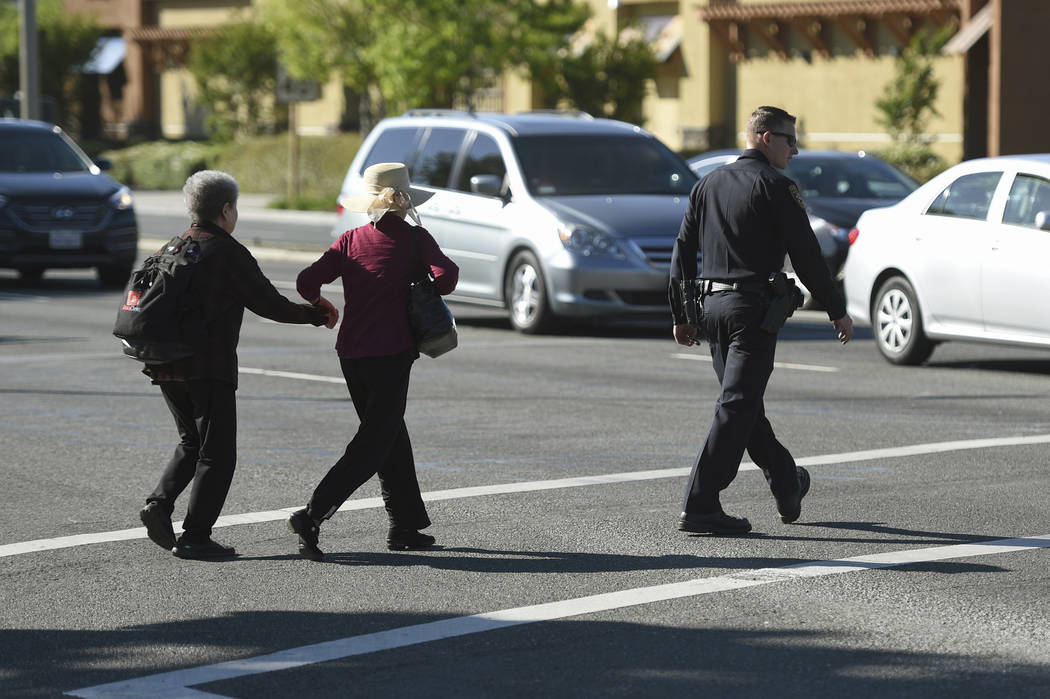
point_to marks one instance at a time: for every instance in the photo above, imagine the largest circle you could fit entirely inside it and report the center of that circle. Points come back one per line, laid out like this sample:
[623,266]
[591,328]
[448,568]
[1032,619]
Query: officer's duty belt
[708,286]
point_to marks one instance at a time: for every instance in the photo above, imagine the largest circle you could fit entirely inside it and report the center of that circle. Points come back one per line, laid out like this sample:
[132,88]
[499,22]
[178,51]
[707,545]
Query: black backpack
[160,314]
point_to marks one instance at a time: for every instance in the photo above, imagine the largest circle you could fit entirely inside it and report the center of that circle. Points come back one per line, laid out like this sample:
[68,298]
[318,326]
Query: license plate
[66,240]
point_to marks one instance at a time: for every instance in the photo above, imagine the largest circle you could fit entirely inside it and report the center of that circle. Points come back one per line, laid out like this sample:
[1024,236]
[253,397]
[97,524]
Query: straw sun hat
[386,188]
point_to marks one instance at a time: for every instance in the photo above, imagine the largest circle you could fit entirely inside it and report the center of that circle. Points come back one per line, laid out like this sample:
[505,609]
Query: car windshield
[37,151]
[848,178]
[584,165]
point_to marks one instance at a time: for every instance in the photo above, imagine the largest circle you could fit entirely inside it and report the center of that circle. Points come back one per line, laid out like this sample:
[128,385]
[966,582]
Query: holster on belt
[785,298]
[692,303]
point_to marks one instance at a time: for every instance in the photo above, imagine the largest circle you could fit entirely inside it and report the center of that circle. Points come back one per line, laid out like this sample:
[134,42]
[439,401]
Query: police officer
[743,218]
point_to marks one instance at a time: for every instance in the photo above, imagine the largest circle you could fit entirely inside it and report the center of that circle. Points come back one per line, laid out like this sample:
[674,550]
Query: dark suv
[57,208]
[547,215]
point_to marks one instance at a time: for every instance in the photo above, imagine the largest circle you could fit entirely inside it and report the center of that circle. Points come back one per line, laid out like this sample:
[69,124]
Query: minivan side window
[434,166]
[394,146]
[1028,196]
[970,196]
[483,158]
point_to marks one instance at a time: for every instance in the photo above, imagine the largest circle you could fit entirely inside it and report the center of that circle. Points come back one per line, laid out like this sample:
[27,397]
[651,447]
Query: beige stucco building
[825,60]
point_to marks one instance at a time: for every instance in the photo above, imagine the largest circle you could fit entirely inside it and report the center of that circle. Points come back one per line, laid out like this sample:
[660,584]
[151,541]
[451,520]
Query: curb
[148,246]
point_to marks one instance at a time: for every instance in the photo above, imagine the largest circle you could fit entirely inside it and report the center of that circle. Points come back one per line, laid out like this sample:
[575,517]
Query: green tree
[235,70]
[427,53]
[607,78]
[66,42]
[908,102]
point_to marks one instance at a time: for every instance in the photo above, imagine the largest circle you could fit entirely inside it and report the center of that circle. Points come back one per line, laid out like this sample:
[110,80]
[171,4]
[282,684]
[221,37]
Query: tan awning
[970,33]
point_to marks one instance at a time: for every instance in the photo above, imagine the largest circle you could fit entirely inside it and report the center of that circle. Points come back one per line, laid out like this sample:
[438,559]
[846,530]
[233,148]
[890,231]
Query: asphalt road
[554,468]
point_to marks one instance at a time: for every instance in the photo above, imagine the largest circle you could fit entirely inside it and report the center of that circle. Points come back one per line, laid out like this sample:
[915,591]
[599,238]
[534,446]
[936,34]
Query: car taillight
[339,212]
[853,234]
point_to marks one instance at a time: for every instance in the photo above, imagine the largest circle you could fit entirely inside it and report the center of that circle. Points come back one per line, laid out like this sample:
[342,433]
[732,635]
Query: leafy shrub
[161,164]
[259,164]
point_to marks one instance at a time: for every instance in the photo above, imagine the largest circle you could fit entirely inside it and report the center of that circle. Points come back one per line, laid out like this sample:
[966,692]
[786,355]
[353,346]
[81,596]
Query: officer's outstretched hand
[845,327]
[685,334]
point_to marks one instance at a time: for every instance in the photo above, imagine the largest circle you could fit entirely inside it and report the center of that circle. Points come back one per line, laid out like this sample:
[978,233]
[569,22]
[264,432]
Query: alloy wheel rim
[895,319]
[525,296]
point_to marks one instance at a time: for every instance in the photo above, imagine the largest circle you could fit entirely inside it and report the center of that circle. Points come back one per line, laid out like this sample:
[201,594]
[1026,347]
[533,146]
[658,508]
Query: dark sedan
[837,186]
[58,209]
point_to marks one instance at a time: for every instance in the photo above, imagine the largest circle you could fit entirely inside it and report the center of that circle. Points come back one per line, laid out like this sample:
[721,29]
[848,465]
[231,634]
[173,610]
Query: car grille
[65,214]
[657,254]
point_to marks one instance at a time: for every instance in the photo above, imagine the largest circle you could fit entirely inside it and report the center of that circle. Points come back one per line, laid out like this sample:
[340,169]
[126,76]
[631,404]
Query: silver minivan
[548,215]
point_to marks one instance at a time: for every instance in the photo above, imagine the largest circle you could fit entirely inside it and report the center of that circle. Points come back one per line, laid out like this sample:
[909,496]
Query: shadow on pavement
[770,655]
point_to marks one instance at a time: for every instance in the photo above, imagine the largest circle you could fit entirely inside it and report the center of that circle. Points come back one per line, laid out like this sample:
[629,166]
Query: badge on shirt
[798,197]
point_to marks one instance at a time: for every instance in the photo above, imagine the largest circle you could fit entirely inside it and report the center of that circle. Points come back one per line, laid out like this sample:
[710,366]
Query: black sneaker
[158,525]
[209,548]
[398,539]
[713,523]
[302,524]
[790,508]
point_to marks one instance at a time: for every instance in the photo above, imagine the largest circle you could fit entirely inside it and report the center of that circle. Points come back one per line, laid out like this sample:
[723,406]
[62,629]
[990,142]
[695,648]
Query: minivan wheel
[114,276]
[526,295]
[897,323]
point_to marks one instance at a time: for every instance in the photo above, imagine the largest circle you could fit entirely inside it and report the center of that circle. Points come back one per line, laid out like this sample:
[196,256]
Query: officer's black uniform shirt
[743,217]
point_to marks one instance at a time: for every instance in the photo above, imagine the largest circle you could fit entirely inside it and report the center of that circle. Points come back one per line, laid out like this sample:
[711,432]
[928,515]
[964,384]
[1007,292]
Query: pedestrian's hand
[331,311]
[685,334]
[845,327]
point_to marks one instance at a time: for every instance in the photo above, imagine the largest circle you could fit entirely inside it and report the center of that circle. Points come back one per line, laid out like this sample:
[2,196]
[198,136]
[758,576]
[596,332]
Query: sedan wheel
[897,323]
[526,295]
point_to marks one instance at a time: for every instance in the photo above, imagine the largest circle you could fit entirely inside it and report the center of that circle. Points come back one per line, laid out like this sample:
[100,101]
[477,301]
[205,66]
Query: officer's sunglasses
[792,141]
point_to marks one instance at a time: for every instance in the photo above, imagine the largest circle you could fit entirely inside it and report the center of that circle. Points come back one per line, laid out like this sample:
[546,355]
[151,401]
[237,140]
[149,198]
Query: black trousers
[205,415]
[379,389]
[742,355]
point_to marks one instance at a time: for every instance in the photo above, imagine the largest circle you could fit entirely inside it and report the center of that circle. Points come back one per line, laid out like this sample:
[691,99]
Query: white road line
[529,487]
[292,375]
[177,683]
[779,365]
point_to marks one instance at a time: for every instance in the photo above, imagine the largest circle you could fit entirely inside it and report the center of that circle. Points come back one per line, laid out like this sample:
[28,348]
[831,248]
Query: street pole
[28,60]
[293,156]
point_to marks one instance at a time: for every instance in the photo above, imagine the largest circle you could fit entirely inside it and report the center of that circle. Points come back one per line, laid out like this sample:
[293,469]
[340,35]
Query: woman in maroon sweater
[376,351]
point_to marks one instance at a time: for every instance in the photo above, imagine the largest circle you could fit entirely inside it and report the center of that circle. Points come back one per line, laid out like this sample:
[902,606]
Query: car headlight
[586,241]
[121,199]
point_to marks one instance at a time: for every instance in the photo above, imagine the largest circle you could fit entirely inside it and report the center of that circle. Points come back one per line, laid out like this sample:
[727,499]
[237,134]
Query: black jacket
[743,217]
[228,281]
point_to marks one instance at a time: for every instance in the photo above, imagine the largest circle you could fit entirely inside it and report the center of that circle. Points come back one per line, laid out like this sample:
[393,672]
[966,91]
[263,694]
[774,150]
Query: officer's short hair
[768,119]
[206,192]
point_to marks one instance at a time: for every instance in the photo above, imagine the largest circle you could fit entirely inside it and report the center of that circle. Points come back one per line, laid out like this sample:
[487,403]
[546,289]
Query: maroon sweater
[374,263]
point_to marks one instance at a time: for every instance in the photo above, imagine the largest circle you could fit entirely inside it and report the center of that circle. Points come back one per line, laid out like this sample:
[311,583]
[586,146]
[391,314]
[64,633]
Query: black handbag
[433,326]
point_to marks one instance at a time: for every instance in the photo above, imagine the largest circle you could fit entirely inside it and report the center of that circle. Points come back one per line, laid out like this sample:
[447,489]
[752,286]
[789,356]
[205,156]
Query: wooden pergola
[813,21]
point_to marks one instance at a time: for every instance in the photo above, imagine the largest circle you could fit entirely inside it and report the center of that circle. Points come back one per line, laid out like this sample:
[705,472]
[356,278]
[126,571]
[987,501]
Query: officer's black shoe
[790,508]
[308,530]
[714,523]
[158,525]
[208,548]
[398,539]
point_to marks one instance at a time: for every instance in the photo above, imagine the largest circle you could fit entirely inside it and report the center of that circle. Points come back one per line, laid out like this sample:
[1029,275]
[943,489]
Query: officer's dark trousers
[205,415]
[742,354]
[379,388]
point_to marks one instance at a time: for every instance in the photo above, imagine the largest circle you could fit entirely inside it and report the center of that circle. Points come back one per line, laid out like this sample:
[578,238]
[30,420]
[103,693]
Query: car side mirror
[491,185]
[1042,220]
[104,163]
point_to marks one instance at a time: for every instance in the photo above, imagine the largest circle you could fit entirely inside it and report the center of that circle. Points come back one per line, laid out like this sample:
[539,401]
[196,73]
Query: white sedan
[966,256]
